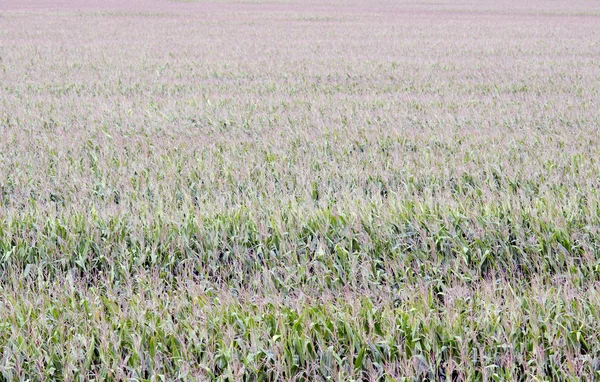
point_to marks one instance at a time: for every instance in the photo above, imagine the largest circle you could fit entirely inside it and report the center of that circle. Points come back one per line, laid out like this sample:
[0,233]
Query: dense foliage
[283,191]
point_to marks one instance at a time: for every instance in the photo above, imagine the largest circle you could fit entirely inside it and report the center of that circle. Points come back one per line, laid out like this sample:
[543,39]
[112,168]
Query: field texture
[285,190]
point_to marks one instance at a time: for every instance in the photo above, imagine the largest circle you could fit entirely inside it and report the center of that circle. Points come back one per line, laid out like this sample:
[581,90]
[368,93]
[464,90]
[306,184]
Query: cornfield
[306,191]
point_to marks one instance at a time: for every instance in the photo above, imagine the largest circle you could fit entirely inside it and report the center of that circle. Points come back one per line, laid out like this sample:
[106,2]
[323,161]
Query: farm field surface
[299,190]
